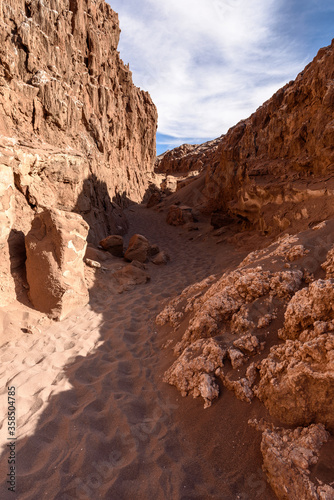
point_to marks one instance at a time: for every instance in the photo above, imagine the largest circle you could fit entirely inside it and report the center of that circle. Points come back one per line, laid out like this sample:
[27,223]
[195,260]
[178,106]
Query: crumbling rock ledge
[287,457]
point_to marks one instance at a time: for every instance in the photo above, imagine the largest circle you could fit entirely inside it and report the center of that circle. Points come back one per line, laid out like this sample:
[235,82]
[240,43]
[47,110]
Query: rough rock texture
[287,458]
[186,158]
[178,216]
[307,306]
[56,246]
[74,131]
[297,381]
[138,248]
[7,217]
[328,265]
[274,169]
[113,244]
[238,312]
[193,372]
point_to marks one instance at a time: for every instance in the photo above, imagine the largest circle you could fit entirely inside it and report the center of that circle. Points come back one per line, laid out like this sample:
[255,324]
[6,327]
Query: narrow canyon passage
[113,429]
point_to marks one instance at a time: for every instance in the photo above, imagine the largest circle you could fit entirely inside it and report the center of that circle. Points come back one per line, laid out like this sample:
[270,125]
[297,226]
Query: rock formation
[75,133]
[186,158]
[288,456]
[273,170]
[266,330]
[56,246]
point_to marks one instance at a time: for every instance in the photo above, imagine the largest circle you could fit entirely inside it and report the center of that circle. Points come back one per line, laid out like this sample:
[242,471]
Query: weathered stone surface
[287,458]
[74,130]
[297,381]
[113,244]
[178,216]
[96,254]
[328,265]
[7,218]
[307,306]
[161,258]
[186,158]
[137,249]
[131,275]
[56,246]
[193,372]
[270,168]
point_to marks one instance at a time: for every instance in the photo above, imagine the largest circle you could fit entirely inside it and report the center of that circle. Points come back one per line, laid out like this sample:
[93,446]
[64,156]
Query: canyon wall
[75,133]
[274,170]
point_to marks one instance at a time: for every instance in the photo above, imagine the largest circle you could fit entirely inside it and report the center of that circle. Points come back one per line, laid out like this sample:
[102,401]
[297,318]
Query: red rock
[138,248]
[56,246]
[113,244]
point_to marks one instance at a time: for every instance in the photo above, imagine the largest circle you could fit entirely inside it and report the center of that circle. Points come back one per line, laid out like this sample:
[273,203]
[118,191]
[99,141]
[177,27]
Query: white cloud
[206,63]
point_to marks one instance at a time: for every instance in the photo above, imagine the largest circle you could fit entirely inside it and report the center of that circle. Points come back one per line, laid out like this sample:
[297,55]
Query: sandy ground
[94,419]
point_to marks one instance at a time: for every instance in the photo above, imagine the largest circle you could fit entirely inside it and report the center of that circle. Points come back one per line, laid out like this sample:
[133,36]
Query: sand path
[95,419]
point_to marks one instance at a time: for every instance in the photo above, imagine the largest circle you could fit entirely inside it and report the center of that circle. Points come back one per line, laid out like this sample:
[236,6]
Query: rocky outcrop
[297,381]
[266,330]
[272,170]
[288,455]
[56,246]
[194,371]
[186,158]
[75,132]
[268,159]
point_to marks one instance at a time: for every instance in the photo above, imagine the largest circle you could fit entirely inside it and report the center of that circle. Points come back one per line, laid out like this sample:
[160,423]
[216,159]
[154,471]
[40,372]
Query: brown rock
[96,254]
[297,381]
[138,248]
[74,129]
[178,216]
[129,276]
[161,258]
[113,244]
[153,250]
[288,456]
[194,371]
[186,158]
[307,306]
[7,217]
[56,246]
[268,169]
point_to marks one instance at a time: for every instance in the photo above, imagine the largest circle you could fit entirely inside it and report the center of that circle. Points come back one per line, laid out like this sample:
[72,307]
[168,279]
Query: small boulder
[93,253]
[179,215]
[153,250]
[154,199]
[161,258]
[113,244]
[138,248]
[130,275]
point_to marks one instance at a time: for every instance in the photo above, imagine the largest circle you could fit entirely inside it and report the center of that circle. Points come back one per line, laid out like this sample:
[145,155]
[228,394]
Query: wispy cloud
[208,64]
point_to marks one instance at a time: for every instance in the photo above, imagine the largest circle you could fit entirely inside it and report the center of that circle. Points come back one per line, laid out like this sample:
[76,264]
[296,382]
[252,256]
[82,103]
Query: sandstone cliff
[74,129]
[275,169]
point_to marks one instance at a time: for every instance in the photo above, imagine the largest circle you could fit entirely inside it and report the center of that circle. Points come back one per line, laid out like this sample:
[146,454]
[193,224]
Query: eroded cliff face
[76,133]
[274,170]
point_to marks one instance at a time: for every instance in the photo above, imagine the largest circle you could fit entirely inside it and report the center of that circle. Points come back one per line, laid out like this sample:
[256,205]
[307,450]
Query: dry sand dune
[95,419]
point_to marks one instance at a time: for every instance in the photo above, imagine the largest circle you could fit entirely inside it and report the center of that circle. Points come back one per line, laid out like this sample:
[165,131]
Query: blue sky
[210,63]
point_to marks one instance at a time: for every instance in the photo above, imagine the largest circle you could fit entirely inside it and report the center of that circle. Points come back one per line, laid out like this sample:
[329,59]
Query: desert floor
[95,420]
